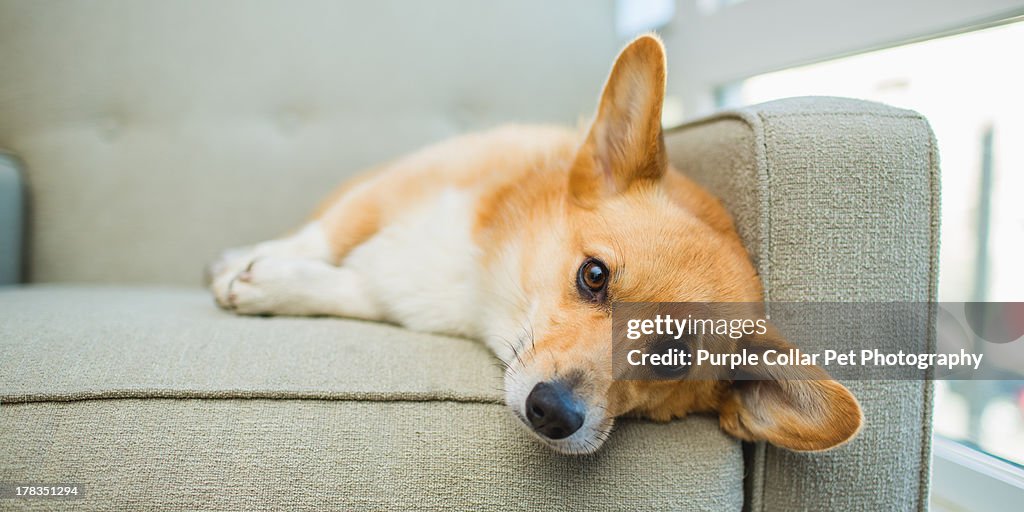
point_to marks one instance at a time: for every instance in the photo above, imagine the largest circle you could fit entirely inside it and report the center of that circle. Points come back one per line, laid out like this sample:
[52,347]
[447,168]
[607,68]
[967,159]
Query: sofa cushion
[152,397]
[74,342]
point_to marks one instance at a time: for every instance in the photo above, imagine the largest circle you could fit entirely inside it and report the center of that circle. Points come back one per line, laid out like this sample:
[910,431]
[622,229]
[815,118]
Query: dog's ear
[624,143]
[795,407]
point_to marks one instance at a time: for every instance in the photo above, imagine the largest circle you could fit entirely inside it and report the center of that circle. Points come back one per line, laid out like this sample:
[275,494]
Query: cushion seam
[926,410]
[742,116]
[839,113]
[766,249]
[159,394]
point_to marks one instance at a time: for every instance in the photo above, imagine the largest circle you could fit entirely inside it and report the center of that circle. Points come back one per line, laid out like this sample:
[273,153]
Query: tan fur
[552,197]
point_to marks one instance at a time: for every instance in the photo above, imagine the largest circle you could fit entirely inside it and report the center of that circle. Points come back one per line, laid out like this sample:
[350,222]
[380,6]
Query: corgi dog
[523,237]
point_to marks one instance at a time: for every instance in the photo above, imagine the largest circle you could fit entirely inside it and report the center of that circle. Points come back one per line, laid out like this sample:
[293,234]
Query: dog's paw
[231,258]
[222,273]
[268,286]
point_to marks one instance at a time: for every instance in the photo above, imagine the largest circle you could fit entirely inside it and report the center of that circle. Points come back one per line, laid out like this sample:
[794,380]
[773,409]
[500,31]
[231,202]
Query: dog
[523,237]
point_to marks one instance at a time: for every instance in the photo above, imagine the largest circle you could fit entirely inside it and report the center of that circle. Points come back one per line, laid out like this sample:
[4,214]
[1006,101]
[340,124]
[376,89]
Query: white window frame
[715,43]
[964,478]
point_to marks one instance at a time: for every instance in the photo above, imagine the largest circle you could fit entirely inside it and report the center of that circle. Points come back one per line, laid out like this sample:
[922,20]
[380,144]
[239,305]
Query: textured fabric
[153,399]
[155,134]
[71,342]
[352,455]
[838,201]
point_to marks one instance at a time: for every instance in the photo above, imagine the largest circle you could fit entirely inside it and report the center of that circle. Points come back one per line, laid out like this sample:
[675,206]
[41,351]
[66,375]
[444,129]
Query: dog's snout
[553,410]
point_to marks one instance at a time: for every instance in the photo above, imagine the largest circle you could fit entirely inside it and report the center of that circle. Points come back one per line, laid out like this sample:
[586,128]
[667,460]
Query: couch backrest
[156,133]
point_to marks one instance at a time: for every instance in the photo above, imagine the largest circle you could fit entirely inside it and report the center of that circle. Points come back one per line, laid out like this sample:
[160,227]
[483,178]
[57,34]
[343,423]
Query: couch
[143,137]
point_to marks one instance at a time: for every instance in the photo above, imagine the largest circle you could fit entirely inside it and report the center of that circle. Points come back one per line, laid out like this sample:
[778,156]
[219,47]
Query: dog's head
[632,230]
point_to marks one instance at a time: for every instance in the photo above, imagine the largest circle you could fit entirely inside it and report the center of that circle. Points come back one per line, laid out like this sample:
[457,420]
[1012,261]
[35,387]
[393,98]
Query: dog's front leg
[301,287]
[310,243]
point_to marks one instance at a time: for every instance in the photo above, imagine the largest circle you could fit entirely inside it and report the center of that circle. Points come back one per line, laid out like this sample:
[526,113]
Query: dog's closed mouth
[562,421]
[583,441]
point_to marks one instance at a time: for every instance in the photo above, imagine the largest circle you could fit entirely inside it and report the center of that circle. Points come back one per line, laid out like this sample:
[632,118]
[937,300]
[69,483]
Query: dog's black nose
[553,411]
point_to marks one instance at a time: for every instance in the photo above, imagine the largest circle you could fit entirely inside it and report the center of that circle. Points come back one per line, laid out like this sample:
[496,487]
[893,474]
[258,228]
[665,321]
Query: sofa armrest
[12,220]
[837,200]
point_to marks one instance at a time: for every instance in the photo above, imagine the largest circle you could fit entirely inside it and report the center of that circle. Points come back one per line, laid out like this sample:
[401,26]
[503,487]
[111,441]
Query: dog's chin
[588,439]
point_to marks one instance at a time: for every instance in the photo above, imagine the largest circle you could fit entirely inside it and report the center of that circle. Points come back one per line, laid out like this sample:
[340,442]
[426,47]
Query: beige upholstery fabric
[76,342]
[154,399]
[156,134]
[353,455]
[838,201]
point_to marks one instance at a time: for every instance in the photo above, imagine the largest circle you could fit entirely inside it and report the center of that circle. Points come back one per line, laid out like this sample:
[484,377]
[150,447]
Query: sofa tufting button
[467,113]
[288,120]
[109,128]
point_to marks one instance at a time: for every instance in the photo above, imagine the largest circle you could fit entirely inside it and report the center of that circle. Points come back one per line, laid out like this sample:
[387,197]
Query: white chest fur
[424,270]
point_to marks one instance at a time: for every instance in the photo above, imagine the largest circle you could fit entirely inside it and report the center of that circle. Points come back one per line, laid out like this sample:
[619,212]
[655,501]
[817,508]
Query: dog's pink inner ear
[625,143]
[795,407]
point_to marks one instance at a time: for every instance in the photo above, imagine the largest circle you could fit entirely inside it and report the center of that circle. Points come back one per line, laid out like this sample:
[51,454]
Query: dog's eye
[675,350]
[592,280]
